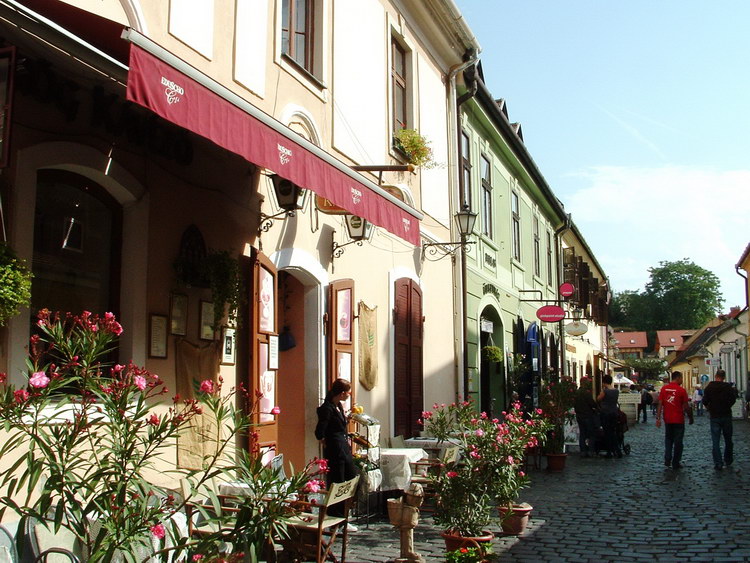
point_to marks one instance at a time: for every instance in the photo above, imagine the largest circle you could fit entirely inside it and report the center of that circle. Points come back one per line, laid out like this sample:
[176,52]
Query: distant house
[668,341]
[630,345]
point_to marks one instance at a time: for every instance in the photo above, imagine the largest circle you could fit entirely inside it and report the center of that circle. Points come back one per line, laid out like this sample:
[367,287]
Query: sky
[637,113]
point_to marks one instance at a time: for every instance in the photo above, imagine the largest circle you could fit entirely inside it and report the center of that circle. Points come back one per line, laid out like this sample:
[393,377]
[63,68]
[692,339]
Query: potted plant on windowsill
[556,400]
[415,148]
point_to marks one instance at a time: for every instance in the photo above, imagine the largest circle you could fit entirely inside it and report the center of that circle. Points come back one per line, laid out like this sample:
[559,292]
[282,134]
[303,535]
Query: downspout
[558,243]
[747,295]
[459,294]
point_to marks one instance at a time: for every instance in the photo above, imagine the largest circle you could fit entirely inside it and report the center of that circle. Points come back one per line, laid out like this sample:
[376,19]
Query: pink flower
[3,377]
[475,454]
[153,420]
[511,460]
[322,465]
[275,410]
[21,396]
[197,557]
[117,368]
[451,474]
[140,382]
[313,486]
[479,432]
[521,474]
[39,380]
[158,531]
[207,386]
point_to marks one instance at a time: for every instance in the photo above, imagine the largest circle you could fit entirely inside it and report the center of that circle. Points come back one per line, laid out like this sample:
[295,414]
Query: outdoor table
[395,466]
[432,446]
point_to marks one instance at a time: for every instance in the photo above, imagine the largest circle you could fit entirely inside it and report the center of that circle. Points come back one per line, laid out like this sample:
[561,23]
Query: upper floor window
[486,197]
[399,85]
[537,249]
[297,31]
[465,171]
[550,272]
[515,209]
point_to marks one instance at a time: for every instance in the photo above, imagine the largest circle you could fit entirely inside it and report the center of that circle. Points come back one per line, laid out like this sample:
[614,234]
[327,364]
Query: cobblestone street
[630,509]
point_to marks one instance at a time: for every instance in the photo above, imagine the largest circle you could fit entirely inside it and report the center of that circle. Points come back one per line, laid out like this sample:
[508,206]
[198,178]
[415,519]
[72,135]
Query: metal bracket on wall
[540,300]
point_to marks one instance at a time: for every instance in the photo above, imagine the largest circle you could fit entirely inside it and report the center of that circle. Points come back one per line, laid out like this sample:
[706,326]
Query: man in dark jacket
[718,398]
[587,417]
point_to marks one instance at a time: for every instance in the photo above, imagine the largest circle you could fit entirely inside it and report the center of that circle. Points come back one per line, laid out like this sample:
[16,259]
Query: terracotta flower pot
[455,541]
[515,518]
[556,462]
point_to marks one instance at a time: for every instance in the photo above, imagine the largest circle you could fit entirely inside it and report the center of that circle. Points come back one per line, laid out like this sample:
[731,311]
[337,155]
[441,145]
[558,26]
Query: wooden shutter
[263,347]
[340,329]
[408,377]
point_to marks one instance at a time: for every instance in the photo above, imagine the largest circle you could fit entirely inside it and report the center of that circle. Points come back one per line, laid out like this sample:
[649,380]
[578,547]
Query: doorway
[493,393]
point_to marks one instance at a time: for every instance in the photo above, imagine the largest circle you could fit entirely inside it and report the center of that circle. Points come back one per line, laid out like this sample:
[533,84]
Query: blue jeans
[586,434]
[673,435]
[722,425]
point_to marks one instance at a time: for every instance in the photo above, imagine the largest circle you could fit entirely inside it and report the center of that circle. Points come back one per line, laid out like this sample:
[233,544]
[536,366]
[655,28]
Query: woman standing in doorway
[331,431]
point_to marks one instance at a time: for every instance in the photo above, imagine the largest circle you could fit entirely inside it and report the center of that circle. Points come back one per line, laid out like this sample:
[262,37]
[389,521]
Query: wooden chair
[312,536]
[423,470]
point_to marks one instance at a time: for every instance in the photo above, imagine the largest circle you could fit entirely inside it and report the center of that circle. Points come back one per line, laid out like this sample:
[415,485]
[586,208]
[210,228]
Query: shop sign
[550,313]
[567,289]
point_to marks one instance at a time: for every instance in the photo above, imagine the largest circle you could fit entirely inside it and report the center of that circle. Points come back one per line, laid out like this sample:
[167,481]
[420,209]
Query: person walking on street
[718,398]
[698,400]
[587,417]
[673,406]
[646,401]
[608,409]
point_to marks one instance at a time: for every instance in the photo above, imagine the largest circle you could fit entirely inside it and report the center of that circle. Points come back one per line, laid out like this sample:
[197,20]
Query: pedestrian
[587,417]
[698,400]
[332,432]
[718,397]
[646,401]
[608,409]
[654,399]
[673,405]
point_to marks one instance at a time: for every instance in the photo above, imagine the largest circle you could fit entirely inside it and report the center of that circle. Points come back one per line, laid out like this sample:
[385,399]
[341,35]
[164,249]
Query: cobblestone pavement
[629,509]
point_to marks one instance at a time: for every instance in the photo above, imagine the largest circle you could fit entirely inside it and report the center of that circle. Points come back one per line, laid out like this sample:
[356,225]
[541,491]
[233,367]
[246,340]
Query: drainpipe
[558,243]
[747,295]
[459,295]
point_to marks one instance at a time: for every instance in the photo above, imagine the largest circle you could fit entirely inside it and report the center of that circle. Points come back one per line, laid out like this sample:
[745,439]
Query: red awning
[183,101]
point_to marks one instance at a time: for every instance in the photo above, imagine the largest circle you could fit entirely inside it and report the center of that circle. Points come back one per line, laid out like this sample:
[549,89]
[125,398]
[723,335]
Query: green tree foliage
[679,295]
[648,368]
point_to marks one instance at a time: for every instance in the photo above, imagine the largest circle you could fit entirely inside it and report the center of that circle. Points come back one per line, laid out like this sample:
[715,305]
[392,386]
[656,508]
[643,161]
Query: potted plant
[489,471]
[414,147]
[15,284]
[470,555]
[493,354]
[556,400]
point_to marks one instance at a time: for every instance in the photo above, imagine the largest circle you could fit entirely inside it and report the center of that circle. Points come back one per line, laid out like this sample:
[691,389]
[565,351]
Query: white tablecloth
[394,465]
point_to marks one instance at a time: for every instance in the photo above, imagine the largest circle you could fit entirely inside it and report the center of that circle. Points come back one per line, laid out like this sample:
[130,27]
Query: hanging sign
[576,328]
[567,289]
[550,313]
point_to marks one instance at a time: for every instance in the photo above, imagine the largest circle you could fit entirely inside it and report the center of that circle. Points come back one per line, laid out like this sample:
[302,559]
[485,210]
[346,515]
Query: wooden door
[408,380]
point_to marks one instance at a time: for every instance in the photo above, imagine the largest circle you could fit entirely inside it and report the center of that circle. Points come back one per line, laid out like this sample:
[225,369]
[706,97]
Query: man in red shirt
[674,405]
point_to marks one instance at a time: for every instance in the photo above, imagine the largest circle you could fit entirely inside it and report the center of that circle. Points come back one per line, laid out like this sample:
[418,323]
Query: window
[537,249]
[297,31]
[516,220]
[486,197]
[550,276]
[398,85]
[465,171]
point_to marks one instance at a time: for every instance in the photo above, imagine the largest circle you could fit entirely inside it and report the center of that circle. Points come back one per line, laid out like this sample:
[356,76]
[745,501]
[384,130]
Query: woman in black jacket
[332,433]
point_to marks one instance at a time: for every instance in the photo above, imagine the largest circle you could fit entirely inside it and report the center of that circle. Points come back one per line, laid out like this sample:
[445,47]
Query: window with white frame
[550,271]
[399,85]
[515,208]
[486,197]
[465,170]
[537,249]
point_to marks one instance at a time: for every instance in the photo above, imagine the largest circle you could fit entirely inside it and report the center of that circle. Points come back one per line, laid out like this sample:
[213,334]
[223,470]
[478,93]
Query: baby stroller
[621,426]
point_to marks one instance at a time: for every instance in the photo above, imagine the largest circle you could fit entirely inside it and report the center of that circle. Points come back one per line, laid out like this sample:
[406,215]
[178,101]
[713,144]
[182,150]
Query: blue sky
[638,115]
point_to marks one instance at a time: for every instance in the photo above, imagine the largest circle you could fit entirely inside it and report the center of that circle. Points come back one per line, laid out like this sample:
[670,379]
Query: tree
[681,295]
[647,368]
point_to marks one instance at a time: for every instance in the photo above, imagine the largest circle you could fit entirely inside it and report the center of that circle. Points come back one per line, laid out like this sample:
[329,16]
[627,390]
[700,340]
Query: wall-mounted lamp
[465,220]
[289,197]
[359,230]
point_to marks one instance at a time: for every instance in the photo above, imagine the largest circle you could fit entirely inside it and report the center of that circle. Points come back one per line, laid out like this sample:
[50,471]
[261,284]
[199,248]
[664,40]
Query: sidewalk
[630,509]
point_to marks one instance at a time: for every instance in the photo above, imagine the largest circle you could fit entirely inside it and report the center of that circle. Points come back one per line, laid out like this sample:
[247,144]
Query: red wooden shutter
[408,378]
[263,304]
[340,328]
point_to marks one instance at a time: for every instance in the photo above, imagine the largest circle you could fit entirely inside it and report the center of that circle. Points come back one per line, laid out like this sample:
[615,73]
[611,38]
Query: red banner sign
[550,313]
